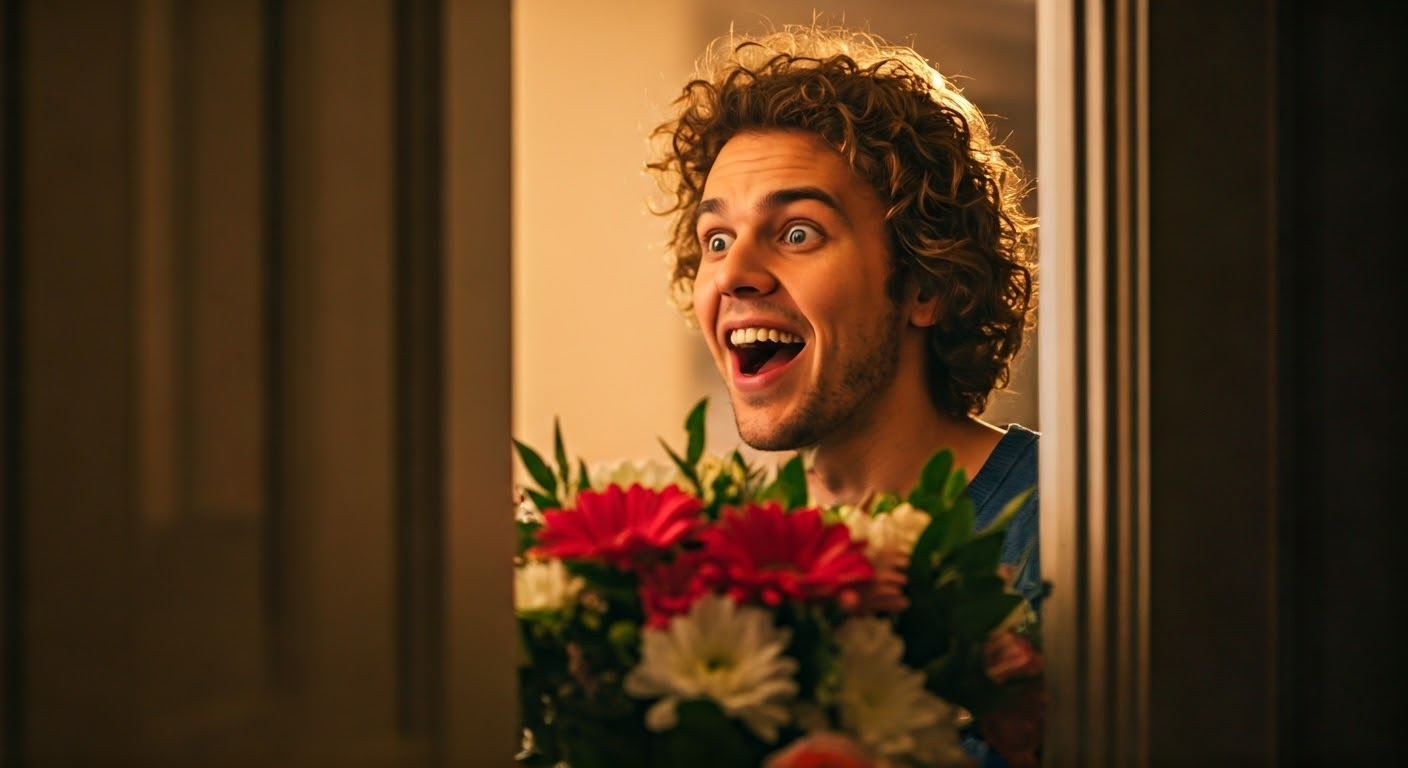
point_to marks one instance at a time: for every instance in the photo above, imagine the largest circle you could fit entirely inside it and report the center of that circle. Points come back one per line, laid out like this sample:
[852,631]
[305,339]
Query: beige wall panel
[595,341]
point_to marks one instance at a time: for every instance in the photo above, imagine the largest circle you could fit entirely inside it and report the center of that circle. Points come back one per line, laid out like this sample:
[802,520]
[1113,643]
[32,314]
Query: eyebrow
[777,199]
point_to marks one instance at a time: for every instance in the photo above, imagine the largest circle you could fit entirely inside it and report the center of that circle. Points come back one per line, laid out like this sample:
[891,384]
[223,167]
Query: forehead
[753,163]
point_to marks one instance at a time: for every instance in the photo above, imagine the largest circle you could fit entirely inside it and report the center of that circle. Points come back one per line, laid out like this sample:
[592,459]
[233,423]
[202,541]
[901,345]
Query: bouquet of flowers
[702,613]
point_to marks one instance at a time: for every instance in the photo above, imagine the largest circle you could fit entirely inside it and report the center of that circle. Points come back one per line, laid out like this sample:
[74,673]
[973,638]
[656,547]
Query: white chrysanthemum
[540,585]
[721,651]
[649,473]
[897,529]
[527,511]
[712,467]
[881,701]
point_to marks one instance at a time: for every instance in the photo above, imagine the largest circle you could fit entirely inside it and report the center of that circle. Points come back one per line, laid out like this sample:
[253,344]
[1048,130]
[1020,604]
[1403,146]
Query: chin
[766,441]
[765,432]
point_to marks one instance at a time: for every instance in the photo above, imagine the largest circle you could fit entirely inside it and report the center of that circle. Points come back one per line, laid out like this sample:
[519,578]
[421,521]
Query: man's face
[791,291]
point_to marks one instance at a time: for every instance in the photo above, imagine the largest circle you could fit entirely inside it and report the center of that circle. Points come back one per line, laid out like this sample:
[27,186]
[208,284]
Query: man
[851,243]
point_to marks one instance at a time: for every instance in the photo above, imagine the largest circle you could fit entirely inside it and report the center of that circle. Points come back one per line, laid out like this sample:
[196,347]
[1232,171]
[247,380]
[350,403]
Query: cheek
[829,302]
[704,305]
[839,308]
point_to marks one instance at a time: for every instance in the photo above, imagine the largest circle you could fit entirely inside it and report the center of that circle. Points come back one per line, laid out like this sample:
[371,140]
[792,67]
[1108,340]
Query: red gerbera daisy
[765,554]
[615,525]
[669,589]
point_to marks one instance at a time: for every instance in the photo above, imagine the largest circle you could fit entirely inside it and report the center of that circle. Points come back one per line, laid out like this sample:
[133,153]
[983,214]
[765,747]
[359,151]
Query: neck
[890,456]
[887,445]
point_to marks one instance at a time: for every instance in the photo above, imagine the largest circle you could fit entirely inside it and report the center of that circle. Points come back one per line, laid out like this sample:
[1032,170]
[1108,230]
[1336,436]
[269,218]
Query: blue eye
[718,242]
[801,234]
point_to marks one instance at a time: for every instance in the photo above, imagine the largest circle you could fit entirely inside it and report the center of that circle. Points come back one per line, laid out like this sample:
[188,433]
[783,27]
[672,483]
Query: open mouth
[759,350]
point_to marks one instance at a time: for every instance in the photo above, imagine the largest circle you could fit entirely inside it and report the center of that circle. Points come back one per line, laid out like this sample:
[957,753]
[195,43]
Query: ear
[923,307]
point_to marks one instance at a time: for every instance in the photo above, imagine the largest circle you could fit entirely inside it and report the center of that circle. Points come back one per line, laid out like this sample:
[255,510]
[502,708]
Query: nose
[744,270]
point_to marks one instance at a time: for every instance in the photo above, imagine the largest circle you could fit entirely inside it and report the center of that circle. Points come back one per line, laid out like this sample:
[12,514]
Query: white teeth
[753,335]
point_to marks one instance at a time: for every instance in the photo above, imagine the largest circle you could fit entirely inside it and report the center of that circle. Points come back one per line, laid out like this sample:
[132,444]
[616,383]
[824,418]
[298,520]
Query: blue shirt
[1010,470]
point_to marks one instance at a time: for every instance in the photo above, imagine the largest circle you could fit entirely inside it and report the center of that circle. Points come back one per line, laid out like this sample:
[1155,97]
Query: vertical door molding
[418,273]
[481,716]
[1094,335]
[11,532]
[338,352]
[1061,247]
[75,445]
[1160,380]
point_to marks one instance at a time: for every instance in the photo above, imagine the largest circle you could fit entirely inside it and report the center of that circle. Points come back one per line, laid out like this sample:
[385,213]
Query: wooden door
[255,415]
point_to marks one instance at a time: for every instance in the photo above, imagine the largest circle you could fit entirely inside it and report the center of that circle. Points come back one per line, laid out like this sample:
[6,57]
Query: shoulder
[1010,470]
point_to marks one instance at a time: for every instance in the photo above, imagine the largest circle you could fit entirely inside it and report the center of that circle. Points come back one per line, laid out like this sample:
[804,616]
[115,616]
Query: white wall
[595,341]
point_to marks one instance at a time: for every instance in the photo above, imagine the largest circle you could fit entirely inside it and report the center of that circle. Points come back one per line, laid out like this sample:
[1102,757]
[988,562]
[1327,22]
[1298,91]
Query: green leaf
[560,450]
[977,615]
[706,737]
[537,468]
[948,530]
[955,486]
[934,476]
[927,502]
[925,624]
[625,634]
[694,426]
[721,487]
[1009,511]
[941,667]
[959,525]
[525,646]
[584,480]
[980,555]
[738,461]
[752,476]
[687,469]
[925,552]
[624,637]
[608,581]
[527,535]
[884,504]
[543,501]
[928,494]
[792,483]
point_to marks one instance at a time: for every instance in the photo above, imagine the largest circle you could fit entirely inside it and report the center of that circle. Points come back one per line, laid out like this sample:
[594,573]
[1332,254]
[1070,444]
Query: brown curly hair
[952,194]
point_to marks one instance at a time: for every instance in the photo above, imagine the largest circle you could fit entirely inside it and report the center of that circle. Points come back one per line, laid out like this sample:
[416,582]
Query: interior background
[596,342]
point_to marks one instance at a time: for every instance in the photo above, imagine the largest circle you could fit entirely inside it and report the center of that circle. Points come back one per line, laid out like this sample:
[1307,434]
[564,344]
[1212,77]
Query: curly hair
[952,194]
